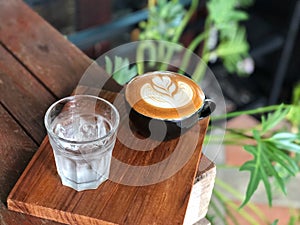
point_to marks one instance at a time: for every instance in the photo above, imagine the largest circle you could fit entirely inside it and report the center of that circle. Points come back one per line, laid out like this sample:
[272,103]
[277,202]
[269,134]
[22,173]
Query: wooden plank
[13,218]
[113,203]
[42,49]
[23,96]
[15,155]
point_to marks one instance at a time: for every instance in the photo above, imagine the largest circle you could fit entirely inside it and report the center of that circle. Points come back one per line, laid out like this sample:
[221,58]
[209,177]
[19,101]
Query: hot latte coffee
[164,95]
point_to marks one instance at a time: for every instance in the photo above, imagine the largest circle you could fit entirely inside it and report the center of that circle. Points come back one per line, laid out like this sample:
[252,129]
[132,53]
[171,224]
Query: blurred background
[96,26]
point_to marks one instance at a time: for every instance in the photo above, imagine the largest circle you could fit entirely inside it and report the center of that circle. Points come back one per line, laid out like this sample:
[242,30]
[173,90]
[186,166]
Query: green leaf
[287,145]
[268,165]
[120,70]
[163,21]
[271,158]
[118,63]
[285,136]
[253,182]
[238,16]
[293,115]
[294,220]
[249,165]
[265,179]
[264,170]
[250,148]
[224,13]
[233,48]
[275,222]
[275,118]
[283,160]
[256,135]
[286,141]
[261,167]
[258,173]
[108,65]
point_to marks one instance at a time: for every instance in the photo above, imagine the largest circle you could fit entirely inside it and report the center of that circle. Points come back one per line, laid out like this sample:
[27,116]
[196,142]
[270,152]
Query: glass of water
[82,132]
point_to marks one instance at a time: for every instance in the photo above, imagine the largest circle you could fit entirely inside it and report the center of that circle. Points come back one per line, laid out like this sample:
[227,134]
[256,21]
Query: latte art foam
[164,95]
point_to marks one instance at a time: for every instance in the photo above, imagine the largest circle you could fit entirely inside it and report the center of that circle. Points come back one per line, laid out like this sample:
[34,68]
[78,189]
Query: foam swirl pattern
[164,95]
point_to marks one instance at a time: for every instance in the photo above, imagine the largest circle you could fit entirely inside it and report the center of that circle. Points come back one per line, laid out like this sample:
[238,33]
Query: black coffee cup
[165,104]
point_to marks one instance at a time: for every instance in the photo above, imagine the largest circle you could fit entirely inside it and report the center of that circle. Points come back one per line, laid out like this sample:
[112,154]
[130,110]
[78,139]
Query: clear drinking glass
[82,132]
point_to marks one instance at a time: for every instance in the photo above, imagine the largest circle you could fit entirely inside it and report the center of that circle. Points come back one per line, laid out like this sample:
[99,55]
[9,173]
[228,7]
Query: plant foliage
[233,47]
[163,20]
[270,151]
[293,115]
[275,222]
[223,36]
[276,153]
[120,69]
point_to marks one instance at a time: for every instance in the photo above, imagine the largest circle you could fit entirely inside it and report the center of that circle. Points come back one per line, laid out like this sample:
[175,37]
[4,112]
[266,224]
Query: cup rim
[108,134]
[167,119]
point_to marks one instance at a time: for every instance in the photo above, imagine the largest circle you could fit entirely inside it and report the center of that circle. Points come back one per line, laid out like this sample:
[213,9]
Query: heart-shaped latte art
[166,93]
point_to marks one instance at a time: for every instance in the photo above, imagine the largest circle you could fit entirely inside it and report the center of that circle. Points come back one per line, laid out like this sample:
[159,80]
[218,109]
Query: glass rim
[72,97]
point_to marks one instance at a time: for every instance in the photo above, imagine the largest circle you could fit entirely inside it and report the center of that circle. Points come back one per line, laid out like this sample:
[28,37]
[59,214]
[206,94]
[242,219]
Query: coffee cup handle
[208,107]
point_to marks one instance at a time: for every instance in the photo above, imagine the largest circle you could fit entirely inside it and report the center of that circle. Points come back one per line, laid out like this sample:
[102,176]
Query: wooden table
[37,66]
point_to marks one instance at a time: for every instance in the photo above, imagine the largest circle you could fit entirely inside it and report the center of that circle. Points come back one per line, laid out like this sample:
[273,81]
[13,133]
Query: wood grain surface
[14,158]
[17,88]
[34,58]
[37,66]
[42,49]
[40,193]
